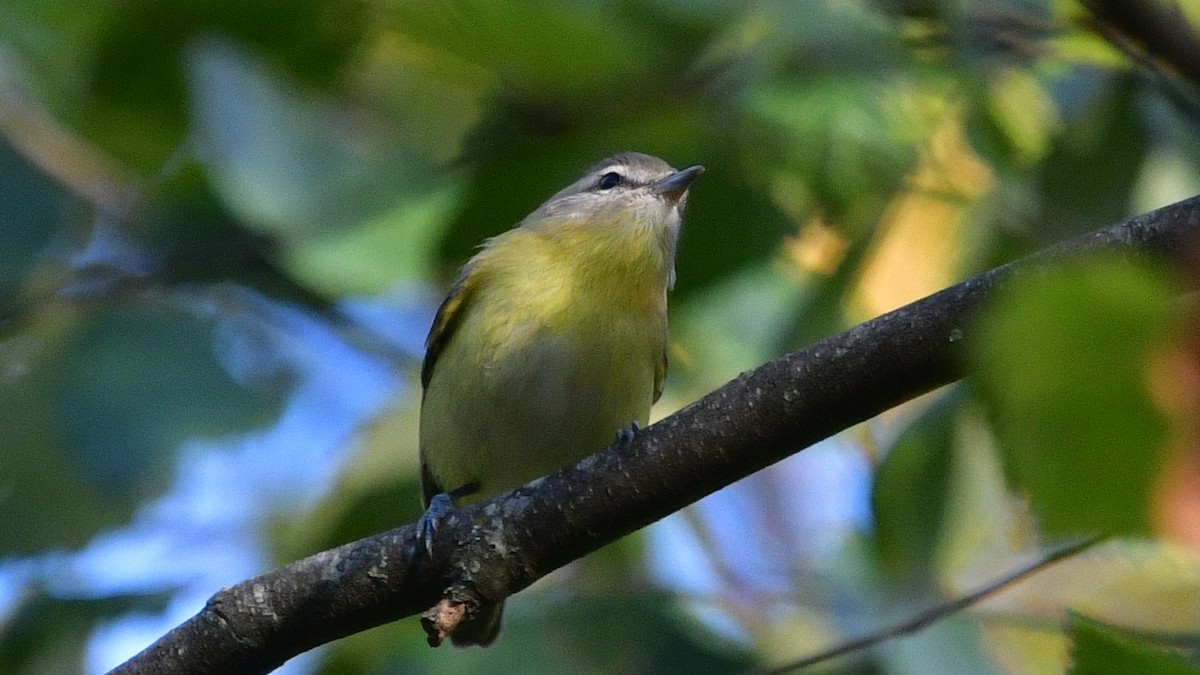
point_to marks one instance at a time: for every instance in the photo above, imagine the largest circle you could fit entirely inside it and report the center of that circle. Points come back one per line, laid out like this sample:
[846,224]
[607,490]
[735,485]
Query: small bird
[552,339]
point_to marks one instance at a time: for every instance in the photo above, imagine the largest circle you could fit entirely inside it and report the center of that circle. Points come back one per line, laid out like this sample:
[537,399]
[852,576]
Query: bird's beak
[672,187]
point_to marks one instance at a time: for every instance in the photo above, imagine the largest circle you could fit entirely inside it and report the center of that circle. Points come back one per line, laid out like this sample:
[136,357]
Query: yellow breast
[558,348]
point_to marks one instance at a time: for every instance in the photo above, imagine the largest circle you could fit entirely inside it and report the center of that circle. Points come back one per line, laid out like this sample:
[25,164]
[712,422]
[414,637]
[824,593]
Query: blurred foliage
[224,226]
[1098,649]
[911,490]
[24,230]
[49,634]
[1092,325]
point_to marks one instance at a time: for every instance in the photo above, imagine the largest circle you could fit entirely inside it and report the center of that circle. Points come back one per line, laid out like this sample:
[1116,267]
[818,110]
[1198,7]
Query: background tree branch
[1158,29]
[1159,37]
[499,547]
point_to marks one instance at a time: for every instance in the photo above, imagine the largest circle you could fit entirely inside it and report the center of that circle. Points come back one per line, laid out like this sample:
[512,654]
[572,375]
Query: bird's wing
[449,316]
[446,320]
[660,375]
[429,485]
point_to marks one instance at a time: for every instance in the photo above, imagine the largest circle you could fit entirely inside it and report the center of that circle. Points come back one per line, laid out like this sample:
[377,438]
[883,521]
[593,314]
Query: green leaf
[1061,362]
[31,206]
[329,182]
[47,46]
[1089,175]
[49,635]
[138,381]
[287,161]
[543,48]
[1100,649]
[47,501]
[1022,111]
[133,94]
[909,494]
[850,141]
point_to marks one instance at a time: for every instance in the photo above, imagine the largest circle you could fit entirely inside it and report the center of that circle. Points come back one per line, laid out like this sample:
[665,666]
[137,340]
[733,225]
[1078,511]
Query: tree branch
[1159,38]
[1158,29]
[496,548]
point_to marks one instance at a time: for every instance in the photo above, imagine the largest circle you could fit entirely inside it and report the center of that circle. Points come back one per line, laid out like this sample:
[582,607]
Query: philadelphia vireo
[552,339]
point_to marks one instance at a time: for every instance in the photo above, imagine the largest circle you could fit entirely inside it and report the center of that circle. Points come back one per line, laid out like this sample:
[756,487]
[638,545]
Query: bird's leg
[439,505]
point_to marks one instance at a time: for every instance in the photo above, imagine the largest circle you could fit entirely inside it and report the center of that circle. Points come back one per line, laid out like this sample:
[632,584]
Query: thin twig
[934,614]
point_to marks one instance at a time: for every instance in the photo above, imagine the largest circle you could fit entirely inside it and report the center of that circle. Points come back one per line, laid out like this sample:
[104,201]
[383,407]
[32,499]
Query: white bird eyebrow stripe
[631,176]
[638,170]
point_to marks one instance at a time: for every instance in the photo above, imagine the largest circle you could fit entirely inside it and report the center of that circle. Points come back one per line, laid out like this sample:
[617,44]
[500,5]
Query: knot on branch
[458,605]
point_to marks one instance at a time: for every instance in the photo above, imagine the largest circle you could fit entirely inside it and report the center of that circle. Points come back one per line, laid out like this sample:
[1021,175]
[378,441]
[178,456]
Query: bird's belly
[540,405]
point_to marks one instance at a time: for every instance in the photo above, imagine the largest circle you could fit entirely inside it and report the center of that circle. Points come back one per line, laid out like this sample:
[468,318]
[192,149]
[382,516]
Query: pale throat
[638,258]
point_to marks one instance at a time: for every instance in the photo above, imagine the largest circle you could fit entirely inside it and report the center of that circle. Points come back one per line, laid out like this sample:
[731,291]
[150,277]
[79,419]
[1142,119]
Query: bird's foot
[440,505]
[626,435]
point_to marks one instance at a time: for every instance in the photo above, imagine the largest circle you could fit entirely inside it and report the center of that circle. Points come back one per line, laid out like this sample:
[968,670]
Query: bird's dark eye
[609,180]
